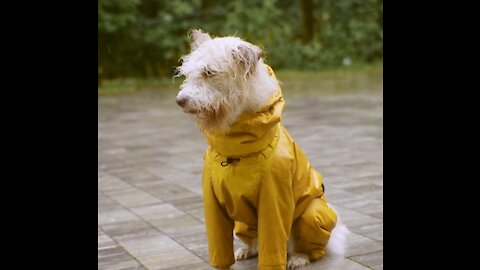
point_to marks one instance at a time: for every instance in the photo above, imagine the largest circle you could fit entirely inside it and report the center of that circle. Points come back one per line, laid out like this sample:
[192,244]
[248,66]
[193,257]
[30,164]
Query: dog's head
[225,76]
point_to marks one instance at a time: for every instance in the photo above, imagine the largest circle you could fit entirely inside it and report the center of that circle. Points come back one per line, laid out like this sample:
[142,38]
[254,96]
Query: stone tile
[128,229]
[366,225]
[116,215]
[132,197]
[178,226]
[374,209]
[189,163]
[377,234]
[195,266]
[328,263]
[196,243]
[136,176]
[119,262]
[165,190]
[192,206]
[120,170]
[197,213]
[114,257]
[104,241]
[360,203]
[157,251]
[372,259]
[358,244]
[188,204]
[157,211]
[170,220]
[189,181]
[150,206]
[250,264]
[110,252]
[113,164]
[108,182]
[364,189]
[105,203]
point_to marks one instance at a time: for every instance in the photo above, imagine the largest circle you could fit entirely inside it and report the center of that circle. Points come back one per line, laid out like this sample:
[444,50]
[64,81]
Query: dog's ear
[197,37]
[246,57]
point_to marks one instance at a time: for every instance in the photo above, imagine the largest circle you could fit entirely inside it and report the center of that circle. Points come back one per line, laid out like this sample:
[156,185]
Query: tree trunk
[205,9]
[306,9]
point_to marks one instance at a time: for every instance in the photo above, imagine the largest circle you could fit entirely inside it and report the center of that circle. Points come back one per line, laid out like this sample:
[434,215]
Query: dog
[257,183]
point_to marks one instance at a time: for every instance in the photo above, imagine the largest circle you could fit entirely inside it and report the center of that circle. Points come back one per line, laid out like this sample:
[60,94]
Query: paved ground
[150,212]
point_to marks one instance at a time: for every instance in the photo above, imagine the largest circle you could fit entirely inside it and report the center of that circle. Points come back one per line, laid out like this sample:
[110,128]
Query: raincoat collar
[253,131]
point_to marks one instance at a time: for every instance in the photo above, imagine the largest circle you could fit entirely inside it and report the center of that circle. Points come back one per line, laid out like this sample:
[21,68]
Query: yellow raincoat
[258,182]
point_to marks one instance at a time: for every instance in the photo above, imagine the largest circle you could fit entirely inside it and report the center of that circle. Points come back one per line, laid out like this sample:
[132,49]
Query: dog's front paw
[245,253]
[297,260]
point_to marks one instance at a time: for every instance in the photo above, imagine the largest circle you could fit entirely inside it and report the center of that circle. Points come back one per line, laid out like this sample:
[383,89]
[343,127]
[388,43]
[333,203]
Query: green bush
[145,38]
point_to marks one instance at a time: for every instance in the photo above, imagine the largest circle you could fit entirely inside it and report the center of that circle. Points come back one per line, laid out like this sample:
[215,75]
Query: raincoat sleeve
[219,229]
[275,215]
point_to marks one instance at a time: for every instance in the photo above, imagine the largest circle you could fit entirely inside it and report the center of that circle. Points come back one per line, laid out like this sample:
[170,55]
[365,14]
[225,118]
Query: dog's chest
[237,189]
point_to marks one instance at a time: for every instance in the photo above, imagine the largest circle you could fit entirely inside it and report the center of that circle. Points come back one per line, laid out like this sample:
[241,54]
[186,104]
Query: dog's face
[219,80]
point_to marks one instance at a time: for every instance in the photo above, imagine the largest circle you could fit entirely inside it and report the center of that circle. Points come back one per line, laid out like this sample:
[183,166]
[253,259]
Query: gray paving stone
[195,266]
[104,241]
[197,243]
[111,256]
[132,197]
[166,190]
[329,263]
[128,229]
[116,215]
[192,206]
[372,259]
[157,251]
[135,176]
[120,262]
[170,220]
[108,182]
[358,245]
[150,159]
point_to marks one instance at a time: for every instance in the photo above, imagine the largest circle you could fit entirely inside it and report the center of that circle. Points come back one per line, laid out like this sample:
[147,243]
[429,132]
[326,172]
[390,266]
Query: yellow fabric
[270,192]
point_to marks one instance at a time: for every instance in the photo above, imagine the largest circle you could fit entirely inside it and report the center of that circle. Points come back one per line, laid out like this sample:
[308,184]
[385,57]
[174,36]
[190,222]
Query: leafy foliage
[145,38]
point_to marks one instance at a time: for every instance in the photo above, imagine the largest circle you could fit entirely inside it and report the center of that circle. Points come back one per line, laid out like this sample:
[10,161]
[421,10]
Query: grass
[129,85]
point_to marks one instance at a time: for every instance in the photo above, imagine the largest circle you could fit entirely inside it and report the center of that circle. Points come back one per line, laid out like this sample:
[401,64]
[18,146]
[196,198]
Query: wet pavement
[150,211]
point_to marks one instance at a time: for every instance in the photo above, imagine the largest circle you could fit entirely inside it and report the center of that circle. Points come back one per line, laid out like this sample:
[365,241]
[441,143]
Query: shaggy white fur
[246,252]
[225,76]
[337,242]
[297,260]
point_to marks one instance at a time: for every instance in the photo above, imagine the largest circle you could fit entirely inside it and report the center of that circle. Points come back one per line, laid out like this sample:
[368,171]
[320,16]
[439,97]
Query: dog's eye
[208,73]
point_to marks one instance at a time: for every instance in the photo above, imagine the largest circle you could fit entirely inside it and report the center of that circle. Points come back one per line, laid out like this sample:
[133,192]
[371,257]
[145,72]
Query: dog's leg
[246,252]
[297,260]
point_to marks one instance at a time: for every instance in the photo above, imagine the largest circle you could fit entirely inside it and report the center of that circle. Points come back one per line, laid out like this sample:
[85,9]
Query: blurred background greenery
[141,41]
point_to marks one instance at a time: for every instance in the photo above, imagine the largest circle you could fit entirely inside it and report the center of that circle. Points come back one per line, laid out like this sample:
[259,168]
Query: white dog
[256,180]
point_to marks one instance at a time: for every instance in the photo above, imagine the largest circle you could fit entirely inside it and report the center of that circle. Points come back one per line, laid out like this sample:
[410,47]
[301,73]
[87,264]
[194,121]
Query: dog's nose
[181,101]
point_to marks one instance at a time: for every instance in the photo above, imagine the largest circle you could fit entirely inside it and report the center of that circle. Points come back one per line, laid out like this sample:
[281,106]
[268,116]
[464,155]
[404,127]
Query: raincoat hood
[252,131]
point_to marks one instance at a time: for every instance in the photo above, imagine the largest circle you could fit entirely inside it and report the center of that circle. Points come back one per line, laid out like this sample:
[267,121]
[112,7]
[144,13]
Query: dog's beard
[213,120]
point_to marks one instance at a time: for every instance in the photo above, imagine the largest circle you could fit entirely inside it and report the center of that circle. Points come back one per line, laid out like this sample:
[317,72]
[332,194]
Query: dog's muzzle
[181,101]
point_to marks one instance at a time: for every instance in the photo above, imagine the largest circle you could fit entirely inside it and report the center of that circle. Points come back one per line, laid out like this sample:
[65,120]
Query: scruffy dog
[257,182]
